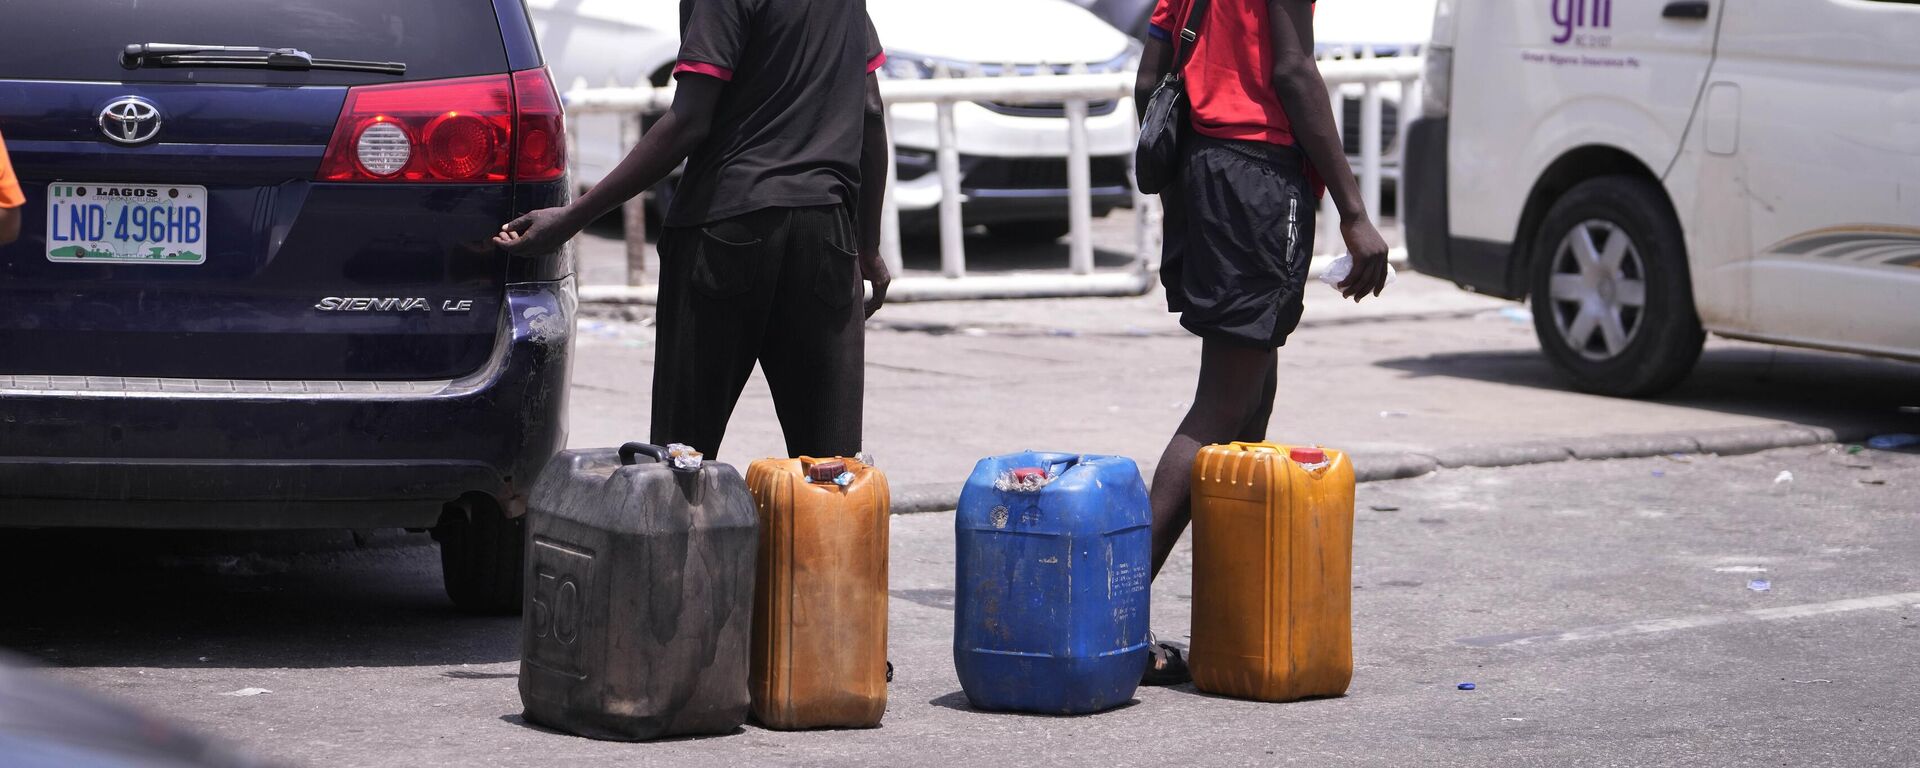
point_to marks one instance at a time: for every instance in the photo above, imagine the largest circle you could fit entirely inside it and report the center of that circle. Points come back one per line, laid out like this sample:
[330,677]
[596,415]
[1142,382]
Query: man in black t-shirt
[779,121]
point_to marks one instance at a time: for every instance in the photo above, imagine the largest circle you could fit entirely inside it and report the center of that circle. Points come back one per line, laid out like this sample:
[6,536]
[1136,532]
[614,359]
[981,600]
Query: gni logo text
[1571,16]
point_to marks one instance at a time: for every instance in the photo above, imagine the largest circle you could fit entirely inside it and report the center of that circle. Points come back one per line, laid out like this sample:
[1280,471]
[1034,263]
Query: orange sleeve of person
[10,194]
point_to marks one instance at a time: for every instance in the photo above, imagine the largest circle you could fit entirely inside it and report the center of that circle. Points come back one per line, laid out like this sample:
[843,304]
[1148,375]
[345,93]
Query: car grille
[1049,109]
[1040,173]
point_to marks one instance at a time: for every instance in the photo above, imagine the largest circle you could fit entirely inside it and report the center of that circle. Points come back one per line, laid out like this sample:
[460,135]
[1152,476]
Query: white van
[1651,171]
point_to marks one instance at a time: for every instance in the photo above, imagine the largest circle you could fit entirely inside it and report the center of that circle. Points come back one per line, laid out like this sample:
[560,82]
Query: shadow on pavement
[1841,392]
[521,720]
[179,599]
[957,701]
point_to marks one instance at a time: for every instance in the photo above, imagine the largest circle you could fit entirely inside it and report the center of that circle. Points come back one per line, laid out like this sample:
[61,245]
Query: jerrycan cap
[1308,456]
[826,471]
[1029,474]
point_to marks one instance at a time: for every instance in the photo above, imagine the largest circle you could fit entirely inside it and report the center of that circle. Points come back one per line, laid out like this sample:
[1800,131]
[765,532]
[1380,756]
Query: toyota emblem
[130,120]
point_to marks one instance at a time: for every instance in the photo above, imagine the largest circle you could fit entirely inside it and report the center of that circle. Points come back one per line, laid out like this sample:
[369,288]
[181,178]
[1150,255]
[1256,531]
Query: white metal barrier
[1075,92]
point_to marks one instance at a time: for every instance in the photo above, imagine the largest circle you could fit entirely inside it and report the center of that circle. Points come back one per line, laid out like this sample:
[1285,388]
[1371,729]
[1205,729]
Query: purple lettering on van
[1571,15]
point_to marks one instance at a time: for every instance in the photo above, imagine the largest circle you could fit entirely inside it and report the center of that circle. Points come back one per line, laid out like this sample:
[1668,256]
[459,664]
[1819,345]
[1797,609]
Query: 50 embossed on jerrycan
[1272,571]
[820,607]
[1053,570]
[639,596]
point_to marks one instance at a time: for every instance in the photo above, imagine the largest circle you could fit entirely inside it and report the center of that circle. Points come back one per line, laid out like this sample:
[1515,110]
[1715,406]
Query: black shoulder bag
[1157,160]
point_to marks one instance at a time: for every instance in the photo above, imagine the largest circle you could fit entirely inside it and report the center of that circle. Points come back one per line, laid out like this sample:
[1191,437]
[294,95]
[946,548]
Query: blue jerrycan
[1053,569]
[639,596]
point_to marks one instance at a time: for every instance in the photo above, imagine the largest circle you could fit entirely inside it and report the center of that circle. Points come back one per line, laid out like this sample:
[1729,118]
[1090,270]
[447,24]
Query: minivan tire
[481,554]
[1664,335]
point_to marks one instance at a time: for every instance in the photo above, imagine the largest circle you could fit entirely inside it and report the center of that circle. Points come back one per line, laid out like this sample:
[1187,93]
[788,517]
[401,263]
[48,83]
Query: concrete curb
[1377,467]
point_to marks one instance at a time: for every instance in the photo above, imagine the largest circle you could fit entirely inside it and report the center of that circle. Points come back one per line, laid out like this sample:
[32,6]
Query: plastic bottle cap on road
[1308,455]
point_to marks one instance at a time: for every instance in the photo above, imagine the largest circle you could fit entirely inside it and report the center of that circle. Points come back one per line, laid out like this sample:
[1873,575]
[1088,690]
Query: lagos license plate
[126,223]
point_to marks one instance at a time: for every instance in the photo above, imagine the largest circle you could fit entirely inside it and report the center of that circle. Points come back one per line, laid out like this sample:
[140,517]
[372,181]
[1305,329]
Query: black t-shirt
[787,130]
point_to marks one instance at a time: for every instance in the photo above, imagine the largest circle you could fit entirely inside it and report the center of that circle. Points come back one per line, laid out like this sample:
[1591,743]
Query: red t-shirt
[1230,77]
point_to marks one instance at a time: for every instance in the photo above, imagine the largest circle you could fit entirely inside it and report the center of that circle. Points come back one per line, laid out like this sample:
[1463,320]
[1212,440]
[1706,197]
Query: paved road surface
[1602,609]
[1426,368]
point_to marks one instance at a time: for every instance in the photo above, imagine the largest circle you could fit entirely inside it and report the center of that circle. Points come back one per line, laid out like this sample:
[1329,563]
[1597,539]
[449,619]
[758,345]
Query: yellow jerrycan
[819,657]
[1272,571]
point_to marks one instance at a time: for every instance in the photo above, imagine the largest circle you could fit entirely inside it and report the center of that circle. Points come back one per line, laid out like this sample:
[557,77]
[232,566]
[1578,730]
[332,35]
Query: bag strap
[1190,35]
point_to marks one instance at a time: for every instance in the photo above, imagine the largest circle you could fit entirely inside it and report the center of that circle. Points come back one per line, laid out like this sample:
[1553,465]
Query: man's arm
[9,225]
[1296,80]
[664,147]
[875,148]
[1154,63]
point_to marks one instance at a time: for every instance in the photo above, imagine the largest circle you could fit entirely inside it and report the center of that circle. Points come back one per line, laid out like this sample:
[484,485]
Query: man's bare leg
[1233,401]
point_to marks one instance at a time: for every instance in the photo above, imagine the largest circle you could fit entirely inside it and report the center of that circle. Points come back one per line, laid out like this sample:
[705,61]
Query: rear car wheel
[1612,300]
[481,551]
[1030,231]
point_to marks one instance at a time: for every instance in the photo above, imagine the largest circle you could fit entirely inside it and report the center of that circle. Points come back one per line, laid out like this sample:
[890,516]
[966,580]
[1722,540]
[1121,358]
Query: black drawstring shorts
[1239,237]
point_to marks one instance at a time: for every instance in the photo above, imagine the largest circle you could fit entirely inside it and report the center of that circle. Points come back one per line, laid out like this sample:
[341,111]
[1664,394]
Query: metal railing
[1073,92]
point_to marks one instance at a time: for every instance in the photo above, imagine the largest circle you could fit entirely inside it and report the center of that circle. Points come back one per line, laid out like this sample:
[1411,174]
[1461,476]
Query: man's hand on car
[874,269]
[1369,252]
[541,231]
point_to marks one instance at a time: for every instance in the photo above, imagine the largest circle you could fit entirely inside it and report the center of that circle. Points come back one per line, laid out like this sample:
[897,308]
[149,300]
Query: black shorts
[1239,237]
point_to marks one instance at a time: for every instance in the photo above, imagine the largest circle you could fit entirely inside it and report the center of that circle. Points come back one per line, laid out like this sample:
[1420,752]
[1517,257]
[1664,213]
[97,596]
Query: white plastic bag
[1338,270]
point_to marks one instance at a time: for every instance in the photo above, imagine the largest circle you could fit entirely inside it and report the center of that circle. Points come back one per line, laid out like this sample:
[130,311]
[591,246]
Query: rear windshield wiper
[137,55]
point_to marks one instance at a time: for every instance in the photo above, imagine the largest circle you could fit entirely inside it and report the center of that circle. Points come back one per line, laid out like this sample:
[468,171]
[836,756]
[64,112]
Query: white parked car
[1649,172]
[1013,158]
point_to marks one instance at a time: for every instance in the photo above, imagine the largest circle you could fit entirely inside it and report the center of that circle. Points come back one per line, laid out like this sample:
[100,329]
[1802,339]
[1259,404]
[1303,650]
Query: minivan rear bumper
[187,453]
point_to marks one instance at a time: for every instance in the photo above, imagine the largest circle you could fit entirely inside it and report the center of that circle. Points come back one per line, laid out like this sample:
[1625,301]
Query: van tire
[1663,335]
[481,553]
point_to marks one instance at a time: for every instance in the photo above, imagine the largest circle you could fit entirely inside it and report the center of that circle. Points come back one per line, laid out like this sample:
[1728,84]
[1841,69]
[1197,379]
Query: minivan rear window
[82,39]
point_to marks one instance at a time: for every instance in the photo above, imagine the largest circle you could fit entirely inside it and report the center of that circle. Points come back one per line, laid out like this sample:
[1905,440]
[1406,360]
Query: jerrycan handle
[629,451]
[1256,447]
[688,462]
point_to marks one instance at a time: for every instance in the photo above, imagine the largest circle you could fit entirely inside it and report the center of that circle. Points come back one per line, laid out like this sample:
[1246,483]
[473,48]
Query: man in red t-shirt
[11,198]
[1239,226]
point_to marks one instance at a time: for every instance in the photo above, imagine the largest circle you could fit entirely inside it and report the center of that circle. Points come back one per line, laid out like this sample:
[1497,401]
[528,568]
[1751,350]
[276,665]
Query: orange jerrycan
[1272,571]
[820,601]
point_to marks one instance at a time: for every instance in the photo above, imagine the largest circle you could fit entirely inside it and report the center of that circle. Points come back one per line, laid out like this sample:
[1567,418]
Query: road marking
[1652,626]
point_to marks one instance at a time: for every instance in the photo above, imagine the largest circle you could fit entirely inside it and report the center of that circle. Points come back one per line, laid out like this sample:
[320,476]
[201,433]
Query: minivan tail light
[447,131]
[540,128]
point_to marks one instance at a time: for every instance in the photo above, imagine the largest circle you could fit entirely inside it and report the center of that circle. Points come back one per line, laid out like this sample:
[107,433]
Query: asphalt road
[1602,609]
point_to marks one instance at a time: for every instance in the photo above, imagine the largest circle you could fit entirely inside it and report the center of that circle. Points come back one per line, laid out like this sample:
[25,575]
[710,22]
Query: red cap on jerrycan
[825,471]
[1308,456]
[1029,474]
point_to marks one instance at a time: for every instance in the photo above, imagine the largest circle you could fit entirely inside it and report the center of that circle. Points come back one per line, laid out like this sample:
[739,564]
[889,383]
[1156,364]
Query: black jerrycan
[639,596]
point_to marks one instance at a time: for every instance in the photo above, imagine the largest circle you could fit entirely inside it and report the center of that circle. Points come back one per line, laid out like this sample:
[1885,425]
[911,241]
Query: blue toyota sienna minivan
[255,287]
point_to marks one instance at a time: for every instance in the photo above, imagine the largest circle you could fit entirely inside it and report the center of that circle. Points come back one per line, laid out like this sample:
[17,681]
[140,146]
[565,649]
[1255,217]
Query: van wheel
[1612,302]
[481,550]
